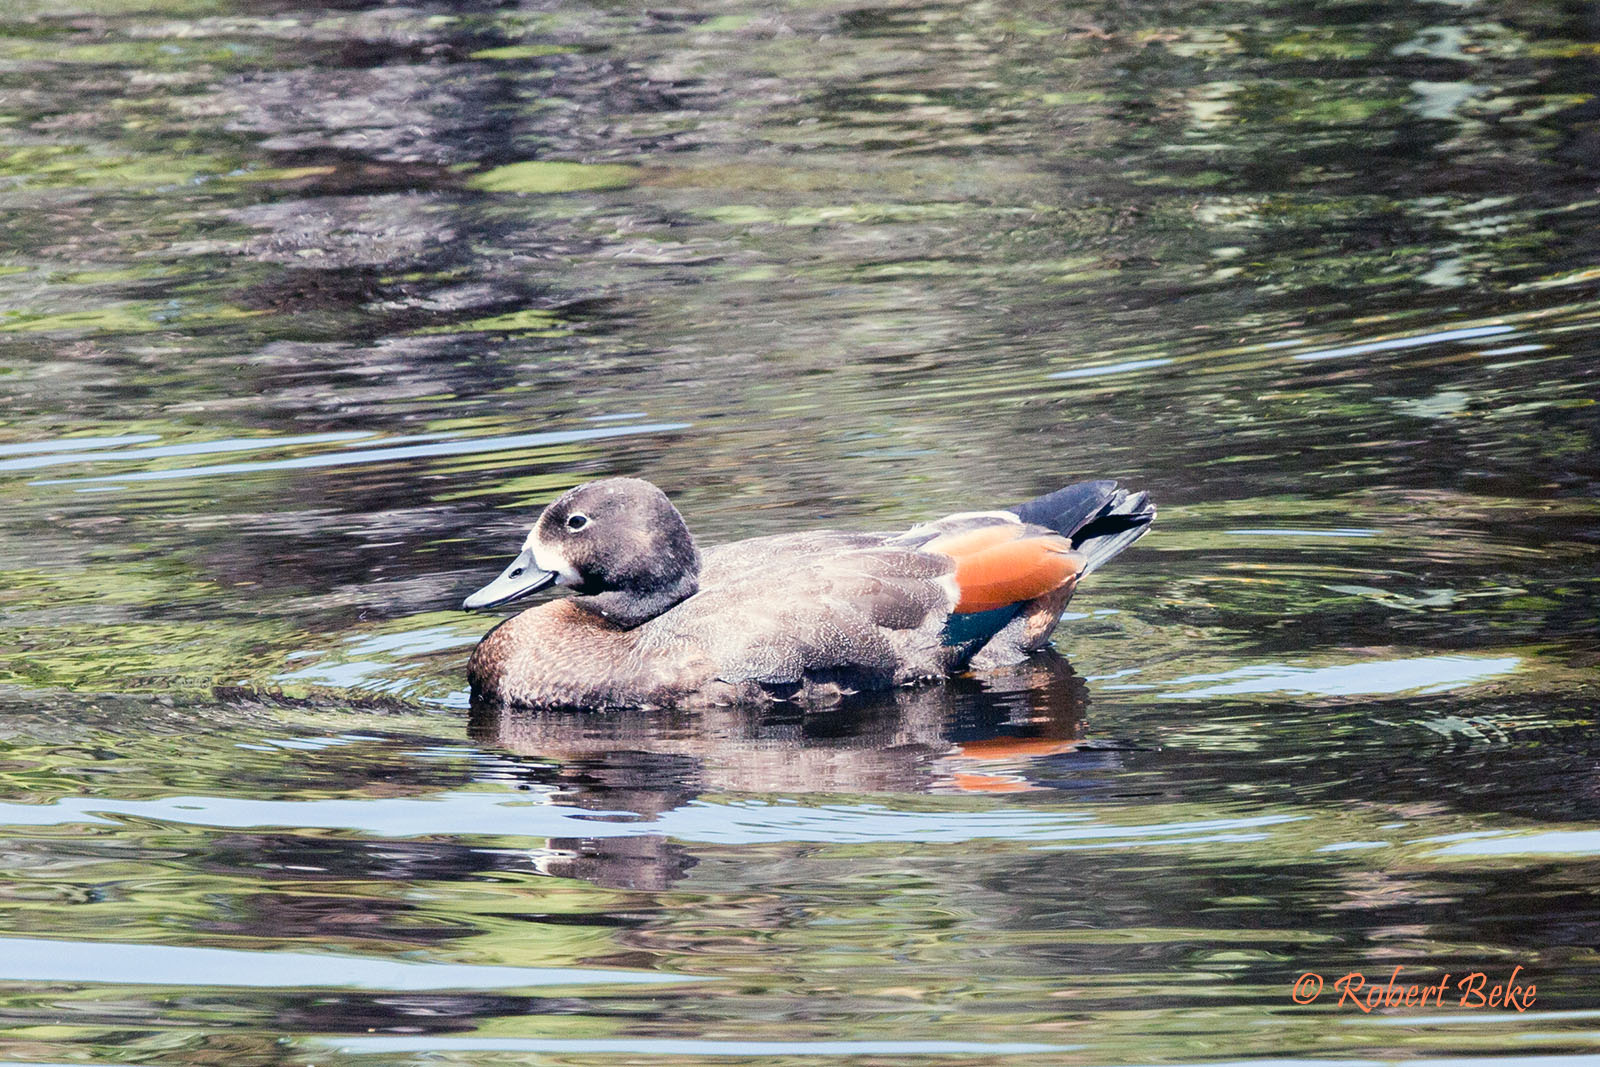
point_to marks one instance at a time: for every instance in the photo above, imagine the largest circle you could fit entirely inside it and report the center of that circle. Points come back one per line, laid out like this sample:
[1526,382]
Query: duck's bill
[514,583]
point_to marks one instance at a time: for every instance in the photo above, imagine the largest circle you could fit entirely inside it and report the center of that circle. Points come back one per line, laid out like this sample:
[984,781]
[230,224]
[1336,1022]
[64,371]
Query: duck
[810,617]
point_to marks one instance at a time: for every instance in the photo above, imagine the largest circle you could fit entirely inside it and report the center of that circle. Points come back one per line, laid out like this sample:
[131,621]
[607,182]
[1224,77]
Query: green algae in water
[523,51]
[550,176]
[530,322]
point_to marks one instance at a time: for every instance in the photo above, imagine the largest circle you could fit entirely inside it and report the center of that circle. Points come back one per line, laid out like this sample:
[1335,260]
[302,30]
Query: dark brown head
[618,543]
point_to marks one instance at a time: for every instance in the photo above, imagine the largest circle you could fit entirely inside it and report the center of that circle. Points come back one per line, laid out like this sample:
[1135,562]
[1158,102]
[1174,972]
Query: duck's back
[858,611]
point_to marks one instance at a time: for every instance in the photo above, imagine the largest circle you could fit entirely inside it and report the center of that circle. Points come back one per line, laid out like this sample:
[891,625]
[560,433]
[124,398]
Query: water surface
[304,311]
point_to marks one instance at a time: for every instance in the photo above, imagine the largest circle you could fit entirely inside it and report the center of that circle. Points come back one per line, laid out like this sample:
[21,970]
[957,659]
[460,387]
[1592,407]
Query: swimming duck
[804,616]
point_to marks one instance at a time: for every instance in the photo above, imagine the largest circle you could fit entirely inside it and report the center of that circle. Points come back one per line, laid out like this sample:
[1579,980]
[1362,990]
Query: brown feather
[969,542]
[1004,565]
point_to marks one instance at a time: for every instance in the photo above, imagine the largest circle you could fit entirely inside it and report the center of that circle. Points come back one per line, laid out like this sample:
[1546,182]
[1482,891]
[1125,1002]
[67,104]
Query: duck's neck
[633,606]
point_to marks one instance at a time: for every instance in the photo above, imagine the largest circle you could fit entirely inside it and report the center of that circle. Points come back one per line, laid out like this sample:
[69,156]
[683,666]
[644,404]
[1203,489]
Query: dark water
[305,311]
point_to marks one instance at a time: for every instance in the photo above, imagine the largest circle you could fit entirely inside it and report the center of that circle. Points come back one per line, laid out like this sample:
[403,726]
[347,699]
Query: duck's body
[797,615]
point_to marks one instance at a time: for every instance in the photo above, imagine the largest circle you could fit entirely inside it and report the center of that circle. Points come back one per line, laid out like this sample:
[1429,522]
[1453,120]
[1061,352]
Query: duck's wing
[752,558]
[780,611]
[1012,581]
[883,608]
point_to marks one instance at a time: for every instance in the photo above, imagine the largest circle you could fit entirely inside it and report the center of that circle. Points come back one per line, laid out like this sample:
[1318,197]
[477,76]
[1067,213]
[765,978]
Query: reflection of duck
[969,736]
[807,615]
[901,741]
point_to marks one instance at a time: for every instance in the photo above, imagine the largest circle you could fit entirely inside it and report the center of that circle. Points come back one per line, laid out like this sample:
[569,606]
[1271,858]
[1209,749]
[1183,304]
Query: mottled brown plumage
[804,616]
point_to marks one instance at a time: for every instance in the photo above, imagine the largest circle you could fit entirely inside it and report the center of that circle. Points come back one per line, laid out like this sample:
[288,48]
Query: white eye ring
[577,522]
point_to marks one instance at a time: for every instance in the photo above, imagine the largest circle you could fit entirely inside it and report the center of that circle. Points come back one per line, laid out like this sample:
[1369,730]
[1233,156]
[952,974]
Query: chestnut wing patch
[1005,564]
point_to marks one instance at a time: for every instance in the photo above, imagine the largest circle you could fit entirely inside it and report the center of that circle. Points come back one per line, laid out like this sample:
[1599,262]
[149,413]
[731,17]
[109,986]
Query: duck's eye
[577,522]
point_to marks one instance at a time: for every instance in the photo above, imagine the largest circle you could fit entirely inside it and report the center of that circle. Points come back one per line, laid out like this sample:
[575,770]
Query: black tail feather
[1100,518]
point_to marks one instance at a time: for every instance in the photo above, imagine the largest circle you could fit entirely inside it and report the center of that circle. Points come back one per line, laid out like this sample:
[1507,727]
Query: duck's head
[618,543]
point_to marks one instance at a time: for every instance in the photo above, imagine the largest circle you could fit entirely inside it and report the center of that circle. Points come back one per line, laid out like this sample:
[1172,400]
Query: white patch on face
[551,559]
[952,590]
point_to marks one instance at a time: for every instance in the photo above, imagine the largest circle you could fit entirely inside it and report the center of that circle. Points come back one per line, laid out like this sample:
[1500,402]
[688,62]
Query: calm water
[304,311]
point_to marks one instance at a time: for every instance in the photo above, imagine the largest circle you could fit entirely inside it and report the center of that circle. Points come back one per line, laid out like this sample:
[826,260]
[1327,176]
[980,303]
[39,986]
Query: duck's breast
[559,655]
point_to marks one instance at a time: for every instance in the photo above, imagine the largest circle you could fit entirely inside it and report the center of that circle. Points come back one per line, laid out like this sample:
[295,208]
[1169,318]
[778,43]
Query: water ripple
[531,814]
[384,455]
[100,962]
